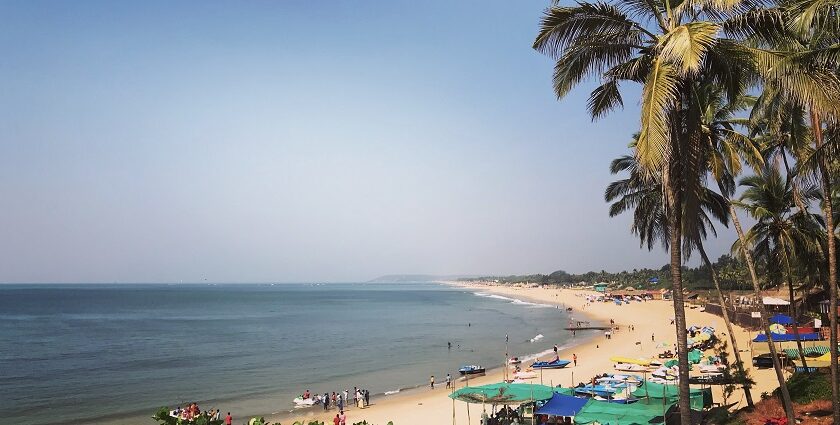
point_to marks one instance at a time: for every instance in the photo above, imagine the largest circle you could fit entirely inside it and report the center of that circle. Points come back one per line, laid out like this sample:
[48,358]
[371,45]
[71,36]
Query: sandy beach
[423,406]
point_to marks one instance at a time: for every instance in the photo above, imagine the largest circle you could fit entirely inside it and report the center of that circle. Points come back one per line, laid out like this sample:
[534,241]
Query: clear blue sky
[297,141]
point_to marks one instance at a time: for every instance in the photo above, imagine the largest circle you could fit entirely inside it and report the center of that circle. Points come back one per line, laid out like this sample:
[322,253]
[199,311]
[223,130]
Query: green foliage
[807,387]
[732,272]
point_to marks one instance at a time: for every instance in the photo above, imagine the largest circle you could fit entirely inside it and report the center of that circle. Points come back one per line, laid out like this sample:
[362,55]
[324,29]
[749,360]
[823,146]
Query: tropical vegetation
[728,87]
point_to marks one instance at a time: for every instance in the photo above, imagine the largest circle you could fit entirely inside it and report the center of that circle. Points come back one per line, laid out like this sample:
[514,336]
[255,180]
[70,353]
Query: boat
[471,370]
[815,362]
[554,364]
[630,367]
[640,362]
[596,390]
[712,368]
[305,402]
[524,375]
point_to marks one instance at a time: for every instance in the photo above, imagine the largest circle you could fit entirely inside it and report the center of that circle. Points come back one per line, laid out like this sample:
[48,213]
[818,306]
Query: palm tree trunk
[674,203]
[738,362]
[828,212]
[793,315]
[787,404]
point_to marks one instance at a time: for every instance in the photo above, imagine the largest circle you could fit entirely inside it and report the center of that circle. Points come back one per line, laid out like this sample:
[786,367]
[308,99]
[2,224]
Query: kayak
[554,364]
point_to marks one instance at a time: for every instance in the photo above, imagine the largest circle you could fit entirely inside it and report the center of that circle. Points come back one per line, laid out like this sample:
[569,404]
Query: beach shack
[600,287]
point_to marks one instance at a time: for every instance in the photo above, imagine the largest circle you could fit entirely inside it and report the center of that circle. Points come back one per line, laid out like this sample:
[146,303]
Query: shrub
[807,387]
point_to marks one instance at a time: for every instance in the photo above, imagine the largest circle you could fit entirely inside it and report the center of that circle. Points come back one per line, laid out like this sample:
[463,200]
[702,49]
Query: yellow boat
[821,361]
[642,362]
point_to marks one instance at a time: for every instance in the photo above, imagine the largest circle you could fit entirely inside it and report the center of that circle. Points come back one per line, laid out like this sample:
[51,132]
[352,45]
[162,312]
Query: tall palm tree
[663,46]
[778,234]
[808,47]
[643,195]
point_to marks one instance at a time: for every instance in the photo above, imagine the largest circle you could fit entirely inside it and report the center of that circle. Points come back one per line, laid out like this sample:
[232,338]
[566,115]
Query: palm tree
[664,47]
[778,234]
[807,47]
[644,196]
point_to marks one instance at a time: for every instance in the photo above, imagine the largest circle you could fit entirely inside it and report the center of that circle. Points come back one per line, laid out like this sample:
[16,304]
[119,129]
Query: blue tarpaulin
[788,337]
[562,405]
[781,319]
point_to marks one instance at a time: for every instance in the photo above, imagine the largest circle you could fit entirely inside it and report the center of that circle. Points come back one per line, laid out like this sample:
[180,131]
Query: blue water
[108,353]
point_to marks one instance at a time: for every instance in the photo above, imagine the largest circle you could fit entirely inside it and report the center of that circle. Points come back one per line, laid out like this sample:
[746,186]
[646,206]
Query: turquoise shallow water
[105,353]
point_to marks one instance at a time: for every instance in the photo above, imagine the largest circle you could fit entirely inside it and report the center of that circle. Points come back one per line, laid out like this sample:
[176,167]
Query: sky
[298,141]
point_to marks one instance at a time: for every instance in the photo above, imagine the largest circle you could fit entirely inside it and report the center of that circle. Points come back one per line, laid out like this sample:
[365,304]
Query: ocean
[106,354]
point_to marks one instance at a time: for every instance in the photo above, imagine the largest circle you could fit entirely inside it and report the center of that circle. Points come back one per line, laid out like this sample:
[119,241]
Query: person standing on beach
[346,397]
[355,396]
[448,381]
[340,402]
[342,420]
[228,419]
[326,401]
[432,382]
[574,358]
[652,338]
[336,420]
[367,398]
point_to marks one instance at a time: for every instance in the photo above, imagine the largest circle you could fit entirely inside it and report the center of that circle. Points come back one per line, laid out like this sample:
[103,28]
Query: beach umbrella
[503,393]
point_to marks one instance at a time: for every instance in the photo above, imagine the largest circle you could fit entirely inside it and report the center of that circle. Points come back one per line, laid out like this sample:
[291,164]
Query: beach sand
[423,406]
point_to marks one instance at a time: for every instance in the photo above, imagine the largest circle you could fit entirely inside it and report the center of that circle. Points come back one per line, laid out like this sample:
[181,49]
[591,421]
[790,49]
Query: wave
[537,338]
[392,392]
[515,301]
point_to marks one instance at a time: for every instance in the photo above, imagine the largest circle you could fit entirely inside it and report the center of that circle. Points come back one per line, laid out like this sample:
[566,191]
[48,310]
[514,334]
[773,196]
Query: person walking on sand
[448,381]
[574,358]
[432,382]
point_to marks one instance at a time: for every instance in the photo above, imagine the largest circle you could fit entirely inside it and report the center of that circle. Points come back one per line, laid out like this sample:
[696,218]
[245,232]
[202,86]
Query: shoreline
[420,405]
[409,395]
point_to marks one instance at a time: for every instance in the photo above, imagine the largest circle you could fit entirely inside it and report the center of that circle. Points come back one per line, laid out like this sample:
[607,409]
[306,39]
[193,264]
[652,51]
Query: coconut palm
[779,235]
[663,46]
[643,195]
[805,43]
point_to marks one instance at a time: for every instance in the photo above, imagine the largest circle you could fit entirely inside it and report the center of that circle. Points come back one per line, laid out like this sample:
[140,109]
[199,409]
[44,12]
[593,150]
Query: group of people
[191,412]
[505,416]
[448,381]
[340,400]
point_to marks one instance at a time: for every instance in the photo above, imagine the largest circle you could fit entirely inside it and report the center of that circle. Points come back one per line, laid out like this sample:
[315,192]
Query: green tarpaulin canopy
[694,356]
[605,413]
[700,397]
[503,393]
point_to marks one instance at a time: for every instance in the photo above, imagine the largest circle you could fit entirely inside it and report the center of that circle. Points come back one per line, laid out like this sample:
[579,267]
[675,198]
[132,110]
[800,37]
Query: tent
[503,393]
[781,319]
[562,405]
[699,397]
[605,413]
[788,337]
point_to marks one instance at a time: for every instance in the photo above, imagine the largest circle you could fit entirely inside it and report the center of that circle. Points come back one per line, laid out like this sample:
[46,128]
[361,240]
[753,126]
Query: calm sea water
[106,353]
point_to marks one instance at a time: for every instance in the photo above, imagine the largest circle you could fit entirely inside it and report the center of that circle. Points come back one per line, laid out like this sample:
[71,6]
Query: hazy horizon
[298,141]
